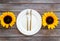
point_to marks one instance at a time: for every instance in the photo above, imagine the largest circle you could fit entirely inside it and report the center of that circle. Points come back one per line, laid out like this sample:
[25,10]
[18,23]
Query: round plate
[29,22]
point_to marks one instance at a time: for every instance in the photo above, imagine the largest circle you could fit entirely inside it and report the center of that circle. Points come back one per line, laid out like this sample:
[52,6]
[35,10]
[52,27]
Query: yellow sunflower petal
[11,24]
[7,25]
[52,26]
[3,23]
[49,27]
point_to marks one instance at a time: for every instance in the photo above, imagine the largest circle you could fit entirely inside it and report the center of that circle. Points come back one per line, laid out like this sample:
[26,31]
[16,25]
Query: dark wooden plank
[29,1]
[30,39]
[42,33]
[44,7]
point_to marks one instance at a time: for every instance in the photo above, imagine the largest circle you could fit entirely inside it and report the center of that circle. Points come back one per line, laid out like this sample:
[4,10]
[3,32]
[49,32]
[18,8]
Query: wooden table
[41,6]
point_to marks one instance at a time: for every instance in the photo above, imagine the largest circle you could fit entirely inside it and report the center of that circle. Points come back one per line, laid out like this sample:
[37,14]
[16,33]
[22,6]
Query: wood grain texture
[12,34]
[30,1]
[42,33]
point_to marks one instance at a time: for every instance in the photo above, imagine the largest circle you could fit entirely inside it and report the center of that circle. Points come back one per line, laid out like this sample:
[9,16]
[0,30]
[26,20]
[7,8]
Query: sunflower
[50,20]
[8,19]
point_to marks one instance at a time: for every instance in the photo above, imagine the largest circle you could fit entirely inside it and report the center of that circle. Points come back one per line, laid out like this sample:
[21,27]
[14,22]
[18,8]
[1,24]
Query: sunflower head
[8,19]
[50,20]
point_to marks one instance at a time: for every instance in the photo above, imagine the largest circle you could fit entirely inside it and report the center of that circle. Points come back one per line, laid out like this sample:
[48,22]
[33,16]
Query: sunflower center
[49,20]
[7,19]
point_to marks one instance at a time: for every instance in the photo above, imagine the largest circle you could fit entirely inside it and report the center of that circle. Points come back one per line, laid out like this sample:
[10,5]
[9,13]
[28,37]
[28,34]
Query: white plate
[29,22]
